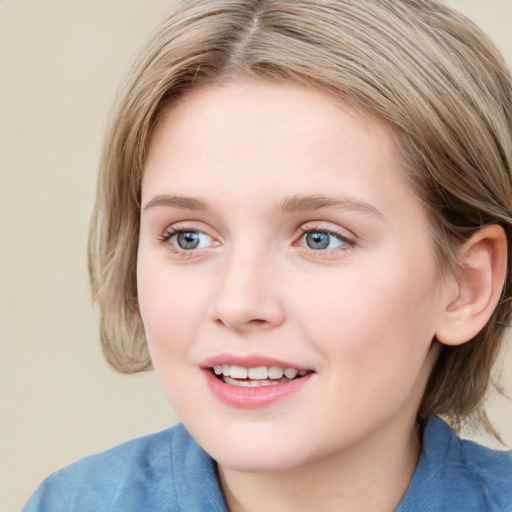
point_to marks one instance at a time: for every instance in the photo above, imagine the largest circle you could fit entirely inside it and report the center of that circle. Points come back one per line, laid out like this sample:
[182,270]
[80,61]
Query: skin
[360,315]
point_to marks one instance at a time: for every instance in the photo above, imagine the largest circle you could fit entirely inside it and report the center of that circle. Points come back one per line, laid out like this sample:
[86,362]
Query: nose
[247,295]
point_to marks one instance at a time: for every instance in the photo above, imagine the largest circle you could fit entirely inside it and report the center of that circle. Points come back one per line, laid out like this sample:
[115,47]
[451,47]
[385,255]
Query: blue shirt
[170,472]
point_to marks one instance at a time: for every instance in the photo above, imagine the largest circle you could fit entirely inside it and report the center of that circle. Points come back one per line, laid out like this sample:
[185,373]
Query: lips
[253,381]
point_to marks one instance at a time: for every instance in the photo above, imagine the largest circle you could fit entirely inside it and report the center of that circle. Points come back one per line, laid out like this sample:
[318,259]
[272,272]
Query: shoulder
[460,475]
[142,474]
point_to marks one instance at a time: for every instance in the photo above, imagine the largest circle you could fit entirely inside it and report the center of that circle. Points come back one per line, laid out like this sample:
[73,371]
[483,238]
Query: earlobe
[483,264]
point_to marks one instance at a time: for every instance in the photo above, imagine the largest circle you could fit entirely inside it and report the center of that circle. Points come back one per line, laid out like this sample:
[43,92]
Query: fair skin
[277,230]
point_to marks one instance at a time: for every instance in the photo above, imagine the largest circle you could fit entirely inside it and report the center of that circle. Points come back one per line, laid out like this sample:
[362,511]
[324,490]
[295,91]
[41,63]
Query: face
[286,276]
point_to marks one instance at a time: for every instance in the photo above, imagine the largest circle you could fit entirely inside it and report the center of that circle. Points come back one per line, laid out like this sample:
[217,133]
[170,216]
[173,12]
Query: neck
[373,477]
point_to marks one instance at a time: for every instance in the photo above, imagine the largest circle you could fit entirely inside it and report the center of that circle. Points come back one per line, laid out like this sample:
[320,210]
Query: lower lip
[245,397]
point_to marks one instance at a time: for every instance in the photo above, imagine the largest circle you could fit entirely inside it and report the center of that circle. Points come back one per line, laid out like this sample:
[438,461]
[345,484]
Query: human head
[415,64]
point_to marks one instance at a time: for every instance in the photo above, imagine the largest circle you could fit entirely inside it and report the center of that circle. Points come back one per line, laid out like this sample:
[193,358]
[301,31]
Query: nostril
[246,325]
[257,321]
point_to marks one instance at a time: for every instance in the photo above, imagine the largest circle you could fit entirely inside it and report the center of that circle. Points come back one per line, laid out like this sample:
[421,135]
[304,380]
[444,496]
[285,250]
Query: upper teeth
[257,373]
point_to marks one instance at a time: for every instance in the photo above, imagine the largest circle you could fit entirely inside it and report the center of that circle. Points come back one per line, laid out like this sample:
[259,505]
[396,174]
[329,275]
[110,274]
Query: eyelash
[345,242]
[171,232]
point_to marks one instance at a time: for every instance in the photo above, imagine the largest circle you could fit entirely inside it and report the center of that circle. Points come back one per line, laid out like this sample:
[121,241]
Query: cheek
[170,308]
[378,321]
[171,311]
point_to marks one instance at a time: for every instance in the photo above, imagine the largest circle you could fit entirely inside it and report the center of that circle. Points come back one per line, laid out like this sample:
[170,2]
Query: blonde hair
[418,65]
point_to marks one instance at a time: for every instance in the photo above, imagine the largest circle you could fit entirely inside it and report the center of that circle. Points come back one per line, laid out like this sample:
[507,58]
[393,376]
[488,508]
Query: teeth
[291,372]
[258,373]
[254,383]
[274,372]
[238,372]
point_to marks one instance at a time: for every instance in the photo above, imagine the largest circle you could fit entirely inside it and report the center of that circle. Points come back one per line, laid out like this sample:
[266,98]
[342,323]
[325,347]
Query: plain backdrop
[60,64]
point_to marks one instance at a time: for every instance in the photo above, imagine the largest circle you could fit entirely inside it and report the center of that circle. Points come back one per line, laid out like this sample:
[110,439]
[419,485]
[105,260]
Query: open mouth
[259,376]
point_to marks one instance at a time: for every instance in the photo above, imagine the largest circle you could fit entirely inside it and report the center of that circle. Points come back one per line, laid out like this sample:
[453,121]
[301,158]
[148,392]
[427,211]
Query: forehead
[259,131]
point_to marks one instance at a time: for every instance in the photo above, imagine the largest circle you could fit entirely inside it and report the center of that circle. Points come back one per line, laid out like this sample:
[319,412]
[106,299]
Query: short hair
[418,65]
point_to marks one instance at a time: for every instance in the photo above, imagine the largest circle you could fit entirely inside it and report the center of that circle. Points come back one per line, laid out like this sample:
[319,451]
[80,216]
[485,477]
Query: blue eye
[321,240]
[190,240]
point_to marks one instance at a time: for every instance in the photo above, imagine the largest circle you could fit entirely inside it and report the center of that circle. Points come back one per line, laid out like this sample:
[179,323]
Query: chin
[255,461]
[255,453]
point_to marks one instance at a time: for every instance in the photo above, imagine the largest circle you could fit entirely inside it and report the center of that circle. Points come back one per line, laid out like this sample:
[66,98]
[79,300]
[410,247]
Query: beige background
[60,63]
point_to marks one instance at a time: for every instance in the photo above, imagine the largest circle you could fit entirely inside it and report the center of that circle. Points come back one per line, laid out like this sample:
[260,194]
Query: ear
[483,263]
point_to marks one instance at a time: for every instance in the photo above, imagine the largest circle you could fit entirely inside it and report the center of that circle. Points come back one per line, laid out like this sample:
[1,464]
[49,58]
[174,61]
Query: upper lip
[249,361]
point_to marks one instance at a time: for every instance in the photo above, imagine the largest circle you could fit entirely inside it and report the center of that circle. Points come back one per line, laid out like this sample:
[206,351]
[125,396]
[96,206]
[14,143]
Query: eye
[187,240]
[321,240]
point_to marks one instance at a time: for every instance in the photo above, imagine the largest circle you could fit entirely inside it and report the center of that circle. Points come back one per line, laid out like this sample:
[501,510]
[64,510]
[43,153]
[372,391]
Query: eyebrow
[187,203]
[318,202]
[290,204]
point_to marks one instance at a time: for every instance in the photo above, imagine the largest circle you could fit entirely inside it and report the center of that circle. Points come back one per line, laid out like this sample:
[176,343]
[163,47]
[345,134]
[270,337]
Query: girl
[302,222]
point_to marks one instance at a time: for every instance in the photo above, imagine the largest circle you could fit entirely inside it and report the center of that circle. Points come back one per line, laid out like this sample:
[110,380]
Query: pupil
[317,240]
[189,240]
